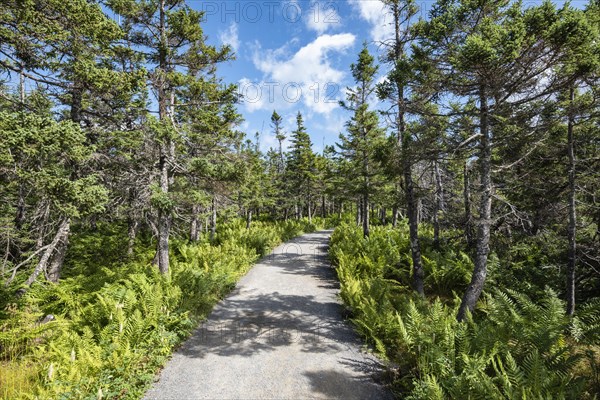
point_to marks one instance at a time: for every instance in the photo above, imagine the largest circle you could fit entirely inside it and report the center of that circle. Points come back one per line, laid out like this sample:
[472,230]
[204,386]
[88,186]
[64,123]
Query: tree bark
[58,259]
[572,228]
[196,225]
[365,214]
[438,204]
[413,228]
[164,217]
[248,218]
[359,212]
[213,219]
[164,220]
[366,188]
[467,201]
[394,216]
[404,143]
[61,234]
[132,230]
[482,245]
[133,222]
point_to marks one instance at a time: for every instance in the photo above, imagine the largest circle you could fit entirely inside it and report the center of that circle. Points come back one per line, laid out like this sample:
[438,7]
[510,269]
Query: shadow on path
[279,334]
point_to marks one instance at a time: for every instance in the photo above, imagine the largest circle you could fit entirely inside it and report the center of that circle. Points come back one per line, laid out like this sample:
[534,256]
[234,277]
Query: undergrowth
[114,322]
[513,347]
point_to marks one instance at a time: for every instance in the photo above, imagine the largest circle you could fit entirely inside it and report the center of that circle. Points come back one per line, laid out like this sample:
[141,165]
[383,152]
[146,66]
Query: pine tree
[580,68]
[65,47]
[169,33]
[276,124]
[396,89]
[483,53]
[301,167]
[364,134]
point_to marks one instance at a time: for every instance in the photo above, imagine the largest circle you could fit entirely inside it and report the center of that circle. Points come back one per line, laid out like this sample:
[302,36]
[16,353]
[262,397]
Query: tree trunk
[132,231]
[213,219]
[572,228]
[413,229]
[482,244]
[467,200]
[21,87]
[394,216]
[365,214]
[597,234]
[195,225]
[248,218]
[403,140]
[164,216]
[366,189]
[438,205]
[323,209]
[58,259]
[61,234]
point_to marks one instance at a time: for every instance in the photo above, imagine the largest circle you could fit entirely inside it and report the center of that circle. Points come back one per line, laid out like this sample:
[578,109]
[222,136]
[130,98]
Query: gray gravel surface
[279,335]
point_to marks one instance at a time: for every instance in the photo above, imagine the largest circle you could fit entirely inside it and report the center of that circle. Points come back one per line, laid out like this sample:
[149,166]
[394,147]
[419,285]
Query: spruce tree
[301,167]
[396,90]
[493,57]
[364,135]
[169,34]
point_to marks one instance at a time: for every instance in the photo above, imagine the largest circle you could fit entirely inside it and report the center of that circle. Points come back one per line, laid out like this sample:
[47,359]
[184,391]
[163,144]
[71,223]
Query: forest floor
[279,335]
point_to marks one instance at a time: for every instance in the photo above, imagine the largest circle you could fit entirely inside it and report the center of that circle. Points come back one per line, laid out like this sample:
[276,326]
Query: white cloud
[230,37]
[305,77]
[321,17]
[268,141]
[251,94]
[377,15]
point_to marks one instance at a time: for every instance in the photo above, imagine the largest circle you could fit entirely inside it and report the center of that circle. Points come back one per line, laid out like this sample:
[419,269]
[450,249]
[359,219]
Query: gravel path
[279,335]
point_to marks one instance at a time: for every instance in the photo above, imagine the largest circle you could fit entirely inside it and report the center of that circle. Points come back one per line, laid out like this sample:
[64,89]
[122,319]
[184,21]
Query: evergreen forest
[463,194]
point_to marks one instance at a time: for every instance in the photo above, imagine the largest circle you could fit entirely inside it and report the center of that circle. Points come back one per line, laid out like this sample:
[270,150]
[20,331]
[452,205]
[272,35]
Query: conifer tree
[364,133]
[396,89]
[301,168]
[169,34]
[493,55]
[65,49]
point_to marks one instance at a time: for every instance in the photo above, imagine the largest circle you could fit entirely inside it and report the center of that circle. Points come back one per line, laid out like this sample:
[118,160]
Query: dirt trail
[279,335]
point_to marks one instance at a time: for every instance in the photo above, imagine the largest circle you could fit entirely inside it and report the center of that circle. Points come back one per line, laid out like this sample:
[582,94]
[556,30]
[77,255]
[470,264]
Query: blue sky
[294,56]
